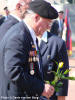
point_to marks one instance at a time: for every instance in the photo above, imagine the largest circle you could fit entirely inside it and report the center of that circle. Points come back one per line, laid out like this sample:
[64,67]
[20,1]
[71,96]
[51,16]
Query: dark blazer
[7,25]
[2,20]
[54,50]
[15,76]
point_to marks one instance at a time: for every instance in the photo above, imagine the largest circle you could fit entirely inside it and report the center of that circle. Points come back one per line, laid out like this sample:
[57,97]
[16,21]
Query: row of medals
[33,57]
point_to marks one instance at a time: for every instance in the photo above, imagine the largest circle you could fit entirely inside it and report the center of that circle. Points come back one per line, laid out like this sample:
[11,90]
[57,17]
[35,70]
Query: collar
[16,17]
[32,33]
[44,37]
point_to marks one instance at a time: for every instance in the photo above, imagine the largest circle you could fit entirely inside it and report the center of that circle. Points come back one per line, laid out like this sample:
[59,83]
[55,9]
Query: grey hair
[29,11]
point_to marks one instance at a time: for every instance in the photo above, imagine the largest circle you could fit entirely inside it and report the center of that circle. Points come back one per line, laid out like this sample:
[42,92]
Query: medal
[37,59]
[31,53]
[34,58]
[33,46]
[32,68]
[30,59]
[37,52]
[32,72]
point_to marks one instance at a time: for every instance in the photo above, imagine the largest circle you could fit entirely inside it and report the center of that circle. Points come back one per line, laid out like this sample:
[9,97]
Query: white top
[44,38]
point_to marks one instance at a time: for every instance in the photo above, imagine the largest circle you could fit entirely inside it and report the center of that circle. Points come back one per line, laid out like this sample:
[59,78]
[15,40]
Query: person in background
[16,14]
[4,18]
[6,11]
[57,26]
[21,69]
[53,49]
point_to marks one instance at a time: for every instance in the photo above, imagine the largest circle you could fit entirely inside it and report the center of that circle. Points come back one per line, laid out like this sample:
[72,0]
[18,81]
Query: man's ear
[37,17]
[18,6]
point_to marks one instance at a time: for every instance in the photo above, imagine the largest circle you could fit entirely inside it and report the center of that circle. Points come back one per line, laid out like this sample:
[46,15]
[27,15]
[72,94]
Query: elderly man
[17,9]
[20,58]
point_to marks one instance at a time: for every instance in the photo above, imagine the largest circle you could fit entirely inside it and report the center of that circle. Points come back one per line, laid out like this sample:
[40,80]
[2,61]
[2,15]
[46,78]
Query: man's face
[25,5]
[43,25]
[61,15]
[6,12]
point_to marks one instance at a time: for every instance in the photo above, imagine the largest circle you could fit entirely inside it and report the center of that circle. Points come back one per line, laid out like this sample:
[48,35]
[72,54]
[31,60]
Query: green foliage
[59,75]
[73,43]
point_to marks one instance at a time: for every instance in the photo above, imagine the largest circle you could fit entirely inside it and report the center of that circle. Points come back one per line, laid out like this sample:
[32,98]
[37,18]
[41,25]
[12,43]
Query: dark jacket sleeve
[63,57]
[16,67]
[2,20]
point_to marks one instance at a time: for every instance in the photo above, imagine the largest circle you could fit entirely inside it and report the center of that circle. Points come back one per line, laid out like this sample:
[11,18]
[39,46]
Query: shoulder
[8,23]
[54,39]
[16,32]
[12,19]
[55,22]
[2,20]
[14,37]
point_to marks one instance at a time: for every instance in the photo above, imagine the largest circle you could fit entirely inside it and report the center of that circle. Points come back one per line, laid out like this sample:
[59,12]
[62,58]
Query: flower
[59,75]
[60,64]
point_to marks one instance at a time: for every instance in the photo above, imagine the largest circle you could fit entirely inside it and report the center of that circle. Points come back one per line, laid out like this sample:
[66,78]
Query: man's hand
[48,91]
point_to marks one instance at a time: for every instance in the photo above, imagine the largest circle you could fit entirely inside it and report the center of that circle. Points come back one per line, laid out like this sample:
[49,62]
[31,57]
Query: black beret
[44,9]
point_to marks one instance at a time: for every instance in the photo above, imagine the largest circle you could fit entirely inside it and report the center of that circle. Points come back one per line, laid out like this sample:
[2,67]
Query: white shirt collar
[44,37]
[16,17]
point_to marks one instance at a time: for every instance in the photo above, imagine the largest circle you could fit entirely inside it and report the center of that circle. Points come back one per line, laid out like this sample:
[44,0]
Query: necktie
[39,55]
[37,44]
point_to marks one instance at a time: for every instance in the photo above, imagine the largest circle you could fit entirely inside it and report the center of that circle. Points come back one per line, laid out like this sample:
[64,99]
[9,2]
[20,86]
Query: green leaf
[59,84]
[47,82]
[53,83]
[56,62]
[57,89]
[67,71]
[69,78]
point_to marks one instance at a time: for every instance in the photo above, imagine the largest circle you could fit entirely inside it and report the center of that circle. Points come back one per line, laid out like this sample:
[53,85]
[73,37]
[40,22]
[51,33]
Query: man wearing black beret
[53,49]
[20,58]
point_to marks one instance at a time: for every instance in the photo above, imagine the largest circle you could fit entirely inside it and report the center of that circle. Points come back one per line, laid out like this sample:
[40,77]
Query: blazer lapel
[43,47]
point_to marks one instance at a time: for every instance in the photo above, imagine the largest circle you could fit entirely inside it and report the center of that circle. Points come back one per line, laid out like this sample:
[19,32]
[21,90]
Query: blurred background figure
[1,19]
[61,22]
[17,10]
[57,26]
[6,11]
[4,18]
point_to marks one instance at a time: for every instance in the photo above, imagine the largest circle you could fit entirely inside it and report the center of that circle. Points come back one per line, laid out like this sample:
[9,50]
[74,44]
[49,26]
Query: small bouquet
[59,75]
